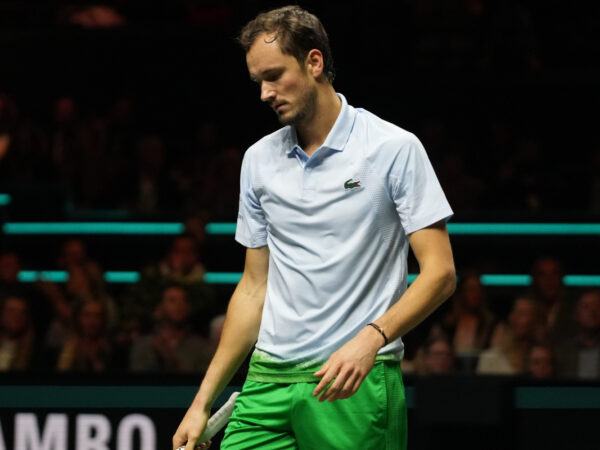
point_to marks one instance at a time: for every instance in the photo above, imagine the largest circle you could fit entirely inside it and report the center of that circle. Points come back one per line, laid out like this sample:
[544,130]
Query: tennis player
[329,205]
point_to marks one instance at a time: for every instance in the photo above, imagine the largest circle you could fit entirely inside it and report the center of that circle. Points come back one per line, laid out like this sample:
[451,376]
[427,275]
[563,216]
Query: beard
[307,106]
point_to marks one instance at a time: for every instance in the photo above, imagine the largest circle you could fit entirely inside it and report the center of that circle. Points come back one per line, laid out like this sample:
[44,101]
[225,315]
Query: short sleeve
[416,190]
[251,230]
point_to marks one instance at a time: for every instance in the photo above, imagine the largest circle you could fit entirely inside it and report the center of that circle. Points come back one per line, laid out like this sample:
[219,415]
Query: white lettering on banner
[93,432]
[129,425]
[27,433]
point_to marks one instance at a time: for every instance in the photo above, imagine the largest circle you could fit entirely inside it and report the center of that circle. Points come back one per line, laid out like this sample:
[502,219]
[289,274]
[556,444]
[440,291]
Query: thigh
[374,418]
[261,419]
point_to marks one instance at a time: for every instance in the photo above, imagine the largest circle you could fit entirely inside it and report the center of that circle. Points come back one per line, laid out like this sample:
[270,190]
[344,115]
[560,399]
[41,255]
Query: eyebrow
[265,73]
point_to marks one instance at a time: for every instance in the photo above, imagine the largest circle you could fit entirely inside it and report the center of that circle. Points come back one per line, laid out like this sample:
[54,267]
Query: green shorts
[286,416]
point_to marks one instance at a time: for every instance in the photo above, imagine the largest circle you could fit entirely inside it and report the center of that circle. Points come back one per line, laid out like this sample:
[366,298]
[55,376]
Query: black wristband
[378,328]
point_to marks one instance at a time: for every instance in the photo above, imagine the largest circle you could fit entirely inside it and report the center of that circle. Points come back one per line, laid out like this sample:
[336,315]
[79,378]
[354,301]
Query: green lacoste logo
[349,184]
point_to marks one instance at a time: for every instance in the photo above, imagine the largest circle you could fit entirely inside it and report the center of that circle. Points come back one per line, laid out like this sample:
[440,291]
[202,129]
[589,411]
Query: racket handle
[217,420]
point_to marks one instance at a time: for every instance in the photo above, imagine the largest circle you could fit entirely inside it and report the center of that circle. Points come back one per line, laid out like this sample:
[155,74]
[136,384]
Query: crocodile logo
[349,184]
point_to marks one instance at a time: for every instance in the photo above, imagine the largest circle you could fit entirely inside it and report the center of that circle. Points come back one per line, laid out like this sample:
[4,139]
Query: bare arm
[434,284]
[239,335]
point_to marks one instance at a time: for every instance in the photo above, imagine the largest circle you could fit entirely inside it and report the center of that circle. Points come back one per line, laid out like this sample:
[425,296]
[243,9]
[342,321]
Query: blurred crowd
[68,153]
[171,320]
[111,158]
[550,331]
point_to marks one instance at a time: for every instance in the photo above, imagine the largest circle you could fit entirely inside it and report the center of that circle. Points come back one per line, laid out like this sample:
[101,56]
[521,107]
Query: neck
[313,132]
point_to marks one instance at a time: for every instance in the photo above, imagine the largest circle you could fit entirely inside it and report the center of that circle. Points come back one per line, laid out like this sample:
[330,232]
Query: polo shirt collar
[338,135]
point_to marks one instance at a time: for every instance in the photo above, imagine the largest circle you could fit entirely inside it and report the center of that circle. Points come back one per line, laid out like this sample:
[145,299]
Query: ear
[314,62]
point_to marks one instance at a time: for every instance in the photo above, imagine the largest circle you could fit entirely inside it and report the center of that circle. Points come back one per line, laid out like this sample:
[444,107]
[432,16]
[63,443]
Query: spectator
[180,265]
[470,323]
[438,357]
[85,283]
[45,302]
[172,347]
[549,290]
[88,348]
[17,335]
[579,355]
[540,362]
[511,343]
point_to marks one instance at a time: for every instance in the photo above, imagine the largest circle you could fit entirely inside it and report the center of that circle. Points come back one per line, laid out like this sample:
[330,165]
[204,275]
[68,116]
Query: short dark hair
[297,32]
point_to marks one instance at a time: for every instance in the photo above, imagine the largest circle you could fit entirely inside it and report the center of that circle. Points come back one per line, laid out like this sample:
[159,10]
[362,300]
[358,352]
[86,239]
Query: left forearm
[429,290]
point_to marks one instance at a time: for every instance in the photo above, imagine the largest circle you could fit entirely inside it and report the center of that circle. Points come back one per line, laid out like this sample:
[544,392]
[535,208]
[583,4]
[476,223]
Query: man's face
[522,318]
[174,305]
[540,362]
[284,84]
[588,312]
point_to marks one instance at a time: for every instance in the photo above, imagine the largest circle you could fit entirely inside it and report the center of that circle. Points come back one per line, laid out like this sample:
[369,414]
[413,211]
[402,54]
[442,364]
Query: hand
[190,429]
[349,366]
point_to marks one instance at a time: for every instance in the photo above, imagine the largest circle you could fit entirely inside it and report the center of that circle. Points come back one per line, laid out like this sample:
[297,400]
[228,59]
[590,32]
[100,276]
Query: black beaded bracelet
[378,328]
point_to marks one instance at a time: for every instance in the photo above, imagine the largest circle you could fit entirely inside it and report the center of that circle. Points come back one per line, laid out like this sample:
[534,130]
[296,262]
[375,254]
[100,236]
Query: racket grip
[217,420]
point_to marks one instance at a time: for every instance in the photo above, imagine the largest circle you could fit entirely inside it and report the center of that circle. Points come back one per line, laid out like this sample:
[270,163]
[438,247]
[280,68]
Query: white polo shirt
[336,225]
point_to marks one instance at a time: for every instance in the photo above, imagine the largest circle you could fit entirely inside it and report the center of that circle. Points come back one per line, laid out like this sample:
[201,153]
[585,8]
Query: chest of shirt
[333,192]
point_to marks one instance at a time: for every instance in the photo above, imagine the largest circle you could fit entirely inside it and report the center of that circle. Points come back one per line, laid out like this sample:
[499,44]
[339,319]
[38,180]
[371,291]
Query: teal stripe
[221,228]
[92,228]
[121,277]
[477,228]
[582,280]
[525,228]
[5,199]
[114,276]
[222,277]
[102,396]
[229,227]
[30,276]
[583,397]
[505,280]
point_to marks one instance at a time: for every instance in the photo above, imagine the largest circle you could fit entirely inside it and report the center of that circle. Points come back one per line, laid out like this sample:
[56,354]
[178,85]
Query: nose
[267,93]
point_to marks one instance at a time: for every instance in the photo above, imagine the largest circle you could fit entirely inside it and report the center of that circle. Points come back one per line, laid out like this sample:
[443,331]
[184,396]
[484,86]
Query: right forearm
[239,335]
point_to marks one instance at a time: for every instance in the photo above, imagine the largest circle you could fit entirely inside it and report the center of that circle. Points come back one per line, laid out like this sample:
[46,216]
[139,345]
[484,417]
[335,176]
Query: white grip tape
[217,420]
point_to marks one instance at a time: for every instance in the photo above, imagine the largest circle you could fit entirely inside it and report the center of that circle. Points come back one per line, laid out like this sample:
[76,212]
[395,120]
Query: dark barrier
[141,412]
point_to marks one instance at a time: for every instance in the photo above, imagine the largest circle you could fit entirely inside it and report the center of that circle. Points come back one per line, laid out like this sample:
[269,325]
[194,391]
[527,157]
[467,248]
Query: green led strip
[221,228]
[30,276]
[228,228]
[93,228]
[524,228]
[505,280]
[477,228]
[5,199]
[59,276]
[121,277]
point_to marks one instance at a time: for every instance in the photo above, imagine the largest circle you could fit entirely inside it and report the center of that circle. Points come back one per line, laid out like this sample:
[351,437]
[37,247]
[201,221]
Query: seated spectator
[470,323]
[81,288]
[511,343]
[44,299]
[17,335]
[74,254]
[540,362]
[89,347]
[549,290]
[438,357]
[578,356]
[172,347]
[181,265]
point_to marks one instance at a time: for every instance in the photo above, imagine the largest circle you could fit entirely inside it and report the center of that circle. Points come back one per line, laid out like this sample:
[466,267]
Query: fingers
[327,376]
[341,387]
